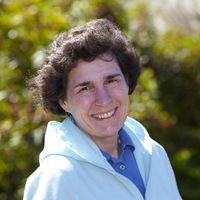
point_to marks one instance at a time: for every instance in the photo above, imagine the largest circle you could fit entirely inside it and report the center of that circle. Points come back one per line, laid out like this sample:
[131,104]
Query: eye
[113,80]
[85,89]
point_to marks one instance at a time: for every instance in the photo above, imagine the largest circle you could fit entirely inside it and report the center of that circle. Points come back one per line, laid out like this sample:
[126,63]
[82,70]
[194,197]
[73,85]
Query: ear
[64,105]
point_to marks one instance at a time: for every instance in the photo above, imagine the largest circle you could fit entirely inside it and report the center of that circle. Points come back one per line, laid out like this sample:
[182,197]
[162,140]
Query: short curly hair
[85,42]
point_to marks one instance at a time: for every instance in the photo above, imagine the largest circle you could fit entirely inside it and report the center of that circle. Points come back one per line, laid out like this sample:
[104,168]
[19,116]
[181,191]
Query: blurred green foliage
[166,99]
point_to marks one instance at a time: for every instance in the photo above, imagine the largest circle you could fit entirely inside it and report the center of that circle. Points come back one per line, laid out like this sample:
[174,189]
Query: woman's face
[97,98]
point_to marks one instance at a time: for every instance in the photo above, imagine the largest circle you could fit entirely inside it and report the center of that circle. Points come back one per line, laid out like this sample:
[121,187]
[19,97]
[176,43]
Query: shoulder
[146,146]
[53,167]
[50,180]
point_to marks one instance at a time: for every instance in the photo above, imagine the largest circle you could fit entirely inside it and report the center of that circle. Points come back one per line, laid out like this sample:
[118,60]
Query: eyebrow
[86,83]
[112,76]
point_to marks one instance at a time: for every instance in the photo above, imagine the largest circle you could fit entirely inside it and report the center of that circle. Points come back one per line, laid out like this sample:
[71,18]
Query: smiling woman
[97,98]
[97,152]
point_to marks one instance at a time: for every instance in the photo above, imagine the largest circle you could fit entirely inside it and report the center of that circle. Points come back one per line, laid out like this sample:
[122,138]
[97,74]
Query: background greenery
[166,101]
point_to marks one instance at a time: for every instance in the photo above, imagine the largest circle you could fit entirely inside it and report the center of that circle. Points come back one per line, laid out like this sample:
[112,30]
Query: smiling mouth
[105,115]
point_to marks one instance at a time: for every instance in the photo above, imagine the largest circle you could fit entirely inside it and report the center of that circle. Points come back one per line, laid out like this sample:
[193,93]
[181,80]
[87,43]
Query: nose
[103,97]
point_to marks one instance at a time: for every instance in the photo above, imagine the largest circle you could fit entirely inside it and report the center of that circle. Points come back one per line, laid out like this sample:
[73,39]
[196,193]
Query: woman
[97,152]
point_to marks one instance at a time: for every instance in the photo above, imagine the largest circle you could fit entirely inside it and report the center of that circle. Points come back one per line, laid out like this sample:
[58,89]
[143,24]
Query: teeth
[105,115]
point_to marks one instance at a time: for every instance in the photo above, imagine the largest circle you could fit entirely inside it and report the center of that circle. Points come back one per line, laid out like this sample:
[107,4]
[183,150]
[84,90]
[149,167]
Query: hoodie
[72,167]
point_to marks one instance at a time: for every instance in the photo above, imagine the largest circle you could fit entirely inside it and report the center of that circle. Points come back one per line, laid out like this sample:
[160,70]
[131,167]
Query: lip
[105,115]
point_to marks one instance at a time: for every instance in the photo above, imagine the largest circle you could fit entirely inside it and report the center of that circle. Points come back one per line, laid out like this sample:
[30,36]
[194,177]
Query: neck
[109,145]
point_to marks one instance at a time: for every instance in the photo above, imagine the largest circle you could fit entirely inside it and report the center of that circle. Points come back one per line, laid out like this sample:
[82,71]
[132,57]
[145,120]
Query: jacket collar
[66,139]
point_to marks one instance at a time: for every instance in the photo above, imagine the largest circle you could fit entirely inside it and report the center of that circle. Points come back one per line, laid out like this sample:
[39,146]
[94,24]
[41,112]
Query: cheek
[122,96]
[81,104]
[122,93]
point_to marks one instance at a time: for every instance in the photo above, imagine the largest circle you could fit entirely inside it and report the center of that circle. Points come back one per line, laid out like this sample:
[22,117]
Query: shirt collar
[124,140]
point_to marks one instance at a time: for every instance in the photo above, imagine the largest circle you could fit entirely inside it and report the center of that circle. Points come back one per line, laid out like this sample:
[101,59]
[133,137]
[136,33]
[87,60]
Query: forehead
[96,69]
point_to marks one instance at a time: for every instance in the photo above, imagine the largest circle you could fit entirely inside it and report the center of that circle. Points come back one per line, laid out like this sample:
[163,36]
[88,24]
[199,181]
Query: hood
[66,139]
[139,135]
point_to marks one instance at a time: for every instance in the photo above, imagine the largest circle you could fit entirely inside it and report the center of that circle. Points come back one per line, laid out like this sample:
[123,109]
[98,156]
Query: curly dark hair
[85,42]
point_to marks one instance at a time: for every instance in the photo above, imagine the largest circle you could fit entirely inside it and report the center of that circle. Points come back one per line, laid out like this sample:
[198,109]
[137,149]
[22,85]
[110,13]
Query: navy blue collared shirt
[126,164]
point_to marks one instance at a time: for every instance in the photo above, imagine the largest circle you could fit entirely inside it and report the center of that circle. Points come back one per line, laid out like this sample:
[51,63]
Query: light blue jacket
[73,168]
